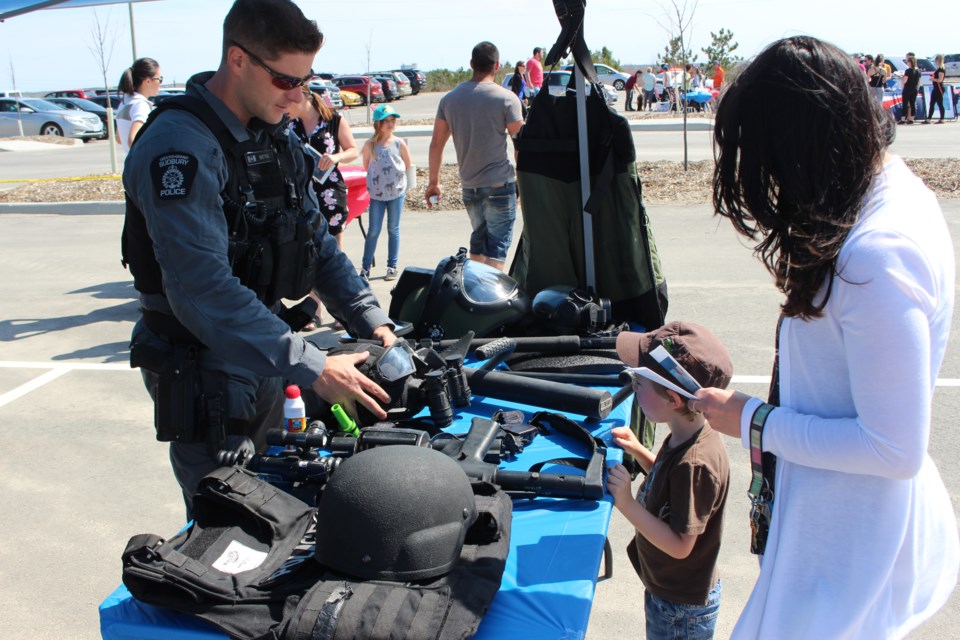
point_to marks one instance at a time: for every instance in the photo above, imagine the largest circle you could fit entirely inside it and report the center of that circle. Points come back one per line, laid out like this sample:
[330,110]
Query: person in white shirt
[862,540]
[139,83]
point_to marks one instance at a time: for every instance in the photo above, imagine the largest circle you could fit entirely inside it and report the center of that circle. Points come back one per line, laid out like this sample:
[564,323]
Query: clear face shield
[396,362]
[482,284]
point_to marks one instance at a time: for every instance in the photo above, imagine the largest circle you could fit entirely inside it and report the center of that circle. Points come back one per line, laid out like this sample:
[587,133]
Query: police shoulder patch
[173,174]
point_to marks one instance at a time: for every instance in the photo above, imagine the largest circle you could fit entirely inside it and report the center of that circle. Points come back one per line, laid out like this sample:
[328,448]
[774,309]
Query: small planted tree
[679,17]
[102,41]
[674,55]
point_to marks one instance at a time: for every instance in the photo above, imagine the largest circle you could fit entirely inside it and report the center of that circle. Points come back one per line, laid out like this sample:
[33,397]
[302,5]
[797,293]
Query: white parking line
[36,383]
[56,369]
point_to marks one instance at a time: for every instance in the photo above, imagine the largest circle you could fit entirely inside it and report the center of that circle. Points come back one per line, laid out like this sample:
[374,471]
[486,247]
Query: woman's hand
[327,160]
[721,408]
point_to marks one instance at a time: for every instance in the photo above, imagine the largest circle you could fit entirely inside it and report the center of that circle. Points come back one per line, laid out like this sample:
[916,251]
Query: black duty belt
[167,326]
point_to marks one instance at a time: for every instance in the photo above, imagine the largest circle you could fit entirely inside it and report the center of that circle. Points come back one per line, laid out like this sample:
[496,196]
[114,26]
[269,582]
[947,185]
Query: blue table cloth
[548,585]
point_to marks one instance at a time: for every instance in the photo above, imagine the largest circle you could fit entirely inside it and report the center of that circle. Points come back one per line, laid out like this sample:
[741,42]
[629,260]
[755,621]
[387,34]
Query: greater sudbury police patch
[173,175]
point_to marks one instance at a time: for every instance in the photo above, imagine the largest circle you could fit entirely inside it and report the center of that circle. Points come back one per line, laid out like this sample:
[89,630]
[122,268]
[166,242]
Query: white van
[11,93]
[951,64]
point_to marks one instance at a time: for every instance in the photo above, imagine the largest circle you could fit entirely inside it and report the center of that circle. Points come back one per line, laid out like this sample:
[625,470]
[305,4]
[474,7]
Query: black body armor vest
[271,246]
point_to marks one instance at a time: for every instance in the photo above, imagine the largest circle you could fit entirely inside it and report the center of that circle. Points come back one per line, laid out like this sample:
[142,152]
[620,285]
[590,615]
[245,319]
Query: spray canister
[294,411]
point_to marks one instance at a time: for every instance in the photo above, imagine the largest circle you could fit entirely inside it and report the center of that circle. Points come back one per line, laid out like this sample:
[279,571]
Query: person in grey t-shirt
[479,114]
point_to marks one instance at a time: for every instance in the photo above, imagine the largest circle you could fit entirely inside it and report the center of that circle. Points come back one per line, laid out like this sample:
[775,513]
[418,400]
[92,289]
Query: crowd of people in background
[880,76]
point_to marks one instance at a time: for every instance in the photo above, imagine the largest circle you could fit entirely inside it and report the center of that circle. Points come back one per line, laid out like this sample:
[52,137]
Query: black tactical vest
[271,247]
[247,565]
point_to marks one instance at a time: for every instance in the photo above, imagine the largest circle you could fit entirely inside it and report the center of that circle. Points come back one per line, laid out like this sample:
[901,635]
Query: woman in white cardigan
[862,536]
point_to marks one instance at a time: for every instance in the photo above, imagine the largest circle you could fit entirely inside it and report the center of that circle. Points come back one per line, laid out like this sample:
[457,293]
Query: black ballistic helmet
[394,513]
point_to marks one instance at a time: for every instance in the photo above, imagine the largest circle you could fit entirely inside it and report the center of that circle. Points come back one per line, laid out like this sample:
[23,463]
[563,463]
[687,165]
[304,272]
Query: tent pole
[581,98]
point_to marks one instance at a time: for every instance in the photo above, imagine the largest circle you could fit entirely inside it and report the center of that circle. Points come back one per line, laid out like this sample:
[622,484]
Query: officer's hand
[385,335]
[342,383]
[431,191]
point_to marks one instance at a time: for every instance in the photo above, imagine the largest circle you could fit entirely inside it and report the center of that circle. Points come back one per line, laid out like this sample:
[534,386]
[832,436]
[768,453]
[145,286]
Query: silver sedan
[35,117]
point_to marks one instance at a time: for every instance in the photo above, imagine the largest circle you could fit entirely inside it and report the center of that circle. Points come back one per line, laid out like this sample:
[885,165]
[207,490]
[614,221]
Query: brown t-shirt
[687,489]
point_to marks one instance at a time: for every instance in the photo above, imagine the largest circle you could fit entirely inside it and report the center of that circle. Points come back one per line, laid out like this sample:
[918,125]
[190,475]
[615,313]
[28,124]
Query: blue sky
[50,49]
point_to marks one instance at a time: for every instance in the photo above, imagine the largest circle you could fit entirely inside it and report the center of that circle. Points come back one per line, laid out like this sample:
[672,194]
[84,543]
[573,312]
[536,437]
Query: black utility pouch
[283,236]
[175,406]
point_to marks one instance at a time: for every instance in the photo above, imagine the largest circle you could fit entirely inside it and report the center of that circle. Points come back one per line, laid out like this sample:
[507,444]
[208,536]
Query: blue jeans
[492,212]
[377,209]
[672,621]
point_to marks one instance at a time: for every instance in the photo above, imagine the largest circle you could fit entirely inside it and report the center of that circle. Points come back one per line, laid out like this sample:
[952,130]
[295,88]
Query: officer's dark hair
[270,28]
[485,57]
[135,75]
[799,139]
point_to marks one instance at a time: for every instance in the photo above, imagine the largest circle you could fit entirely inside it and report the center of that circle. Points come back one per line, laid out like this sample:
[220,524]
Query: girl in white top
[138,84]
[863,537]
[387,160]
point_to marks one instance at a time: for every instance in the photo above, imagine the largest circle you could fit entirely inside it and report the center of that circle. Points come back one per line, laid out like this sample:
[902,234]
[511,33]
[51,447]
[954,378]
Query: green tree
[605,56]
[675,55]
[445,79]
[721,49]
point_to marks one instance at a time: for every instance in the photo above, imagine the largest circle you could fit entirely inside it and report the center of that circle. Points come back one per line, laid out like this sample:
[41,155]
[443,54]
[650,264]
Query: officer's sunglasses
[280,80]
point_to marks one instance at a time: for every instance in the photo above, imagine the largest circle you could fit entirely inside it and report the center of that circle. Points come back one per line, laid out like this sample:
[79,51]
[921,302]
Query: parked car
[951,63]
[361,85]
[607,75]
[11,93]
[390,90]
[403,82]
[327,90]
[40,117]
[350,99]
[103,99]
[79,104]
[418,81]
[69,93]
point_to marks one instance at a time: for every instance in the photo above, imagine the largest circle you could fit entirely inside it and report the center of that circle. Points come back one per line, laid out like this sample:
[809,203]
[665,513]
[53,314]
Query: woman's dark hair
[270,28]
[134,76]
[798,139]
[516,68]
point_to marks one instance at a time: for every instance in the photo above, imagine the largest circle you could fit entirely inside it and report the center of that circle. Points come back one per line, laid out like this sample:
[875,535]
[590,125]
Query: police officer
[220,226]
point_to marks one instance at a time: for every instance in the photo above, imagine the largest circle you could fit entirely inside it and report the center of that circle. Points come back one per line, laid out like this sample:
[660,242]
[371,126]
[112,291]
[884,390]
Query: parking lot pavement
[82,472]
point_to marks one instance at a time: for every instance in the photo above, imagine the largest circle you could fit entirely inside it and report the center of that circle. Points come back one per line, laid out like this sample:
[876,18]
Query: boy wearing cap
[678,510]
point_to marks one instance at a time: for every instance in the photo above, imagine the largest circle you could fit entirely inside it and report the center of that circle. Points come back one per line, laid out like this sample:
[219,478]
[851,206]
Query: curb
[115,207]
